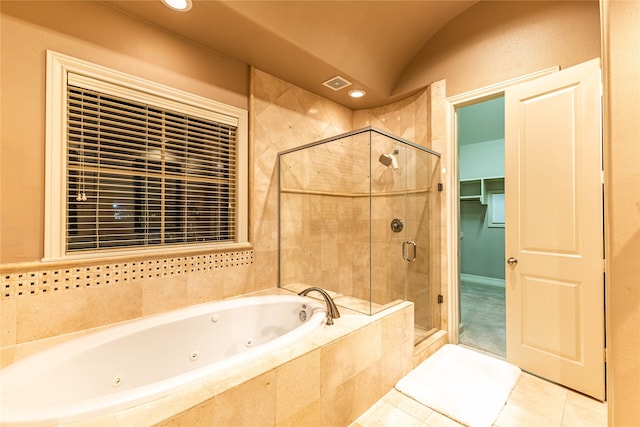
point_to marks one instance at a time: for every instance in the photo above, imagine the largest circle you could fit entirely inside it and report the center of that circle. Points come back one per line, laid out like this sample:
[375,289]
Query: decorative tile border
[45,281]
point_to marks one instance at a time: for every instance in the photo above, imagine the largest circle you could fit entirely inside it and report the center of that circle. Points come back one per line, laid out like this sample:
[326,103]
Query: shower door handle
[405,253]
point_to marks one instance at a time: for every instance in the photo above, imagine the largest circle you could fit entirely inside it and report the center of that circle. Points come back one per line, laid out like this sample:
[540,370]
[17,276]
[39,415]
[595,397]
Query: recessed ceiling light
[180,5]
[357,93]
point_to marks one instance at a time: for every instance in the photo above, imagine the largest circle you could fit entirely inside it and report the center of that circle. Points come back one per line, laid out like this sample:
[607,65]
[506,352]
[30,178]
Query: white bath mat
[462,384]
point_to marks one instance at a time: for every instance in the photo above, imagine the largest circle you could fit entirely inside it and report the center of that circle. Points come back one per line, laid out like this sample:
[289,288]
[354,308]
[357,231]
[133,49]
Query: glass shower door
[404,211]
[421,247]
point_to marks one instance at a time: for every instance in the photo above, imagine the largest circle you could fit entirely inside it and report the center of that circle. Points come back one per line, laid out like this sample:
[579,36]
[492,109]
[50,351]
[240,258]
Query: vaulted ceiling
[369,43]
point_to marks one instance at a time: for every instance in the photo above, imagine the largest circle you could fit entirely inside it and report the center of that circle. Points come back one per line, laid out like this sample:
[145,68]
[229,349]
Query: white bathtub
[141,360]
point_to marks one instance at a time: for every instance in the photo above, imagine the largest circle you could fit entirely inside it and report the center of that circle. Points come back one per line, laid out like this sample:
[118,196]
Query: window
[496,208]
[135,165]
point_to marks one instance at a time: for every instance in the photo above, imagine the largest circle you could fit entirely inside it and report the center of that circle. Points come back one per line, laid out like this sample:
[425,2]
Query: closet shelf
[477,188]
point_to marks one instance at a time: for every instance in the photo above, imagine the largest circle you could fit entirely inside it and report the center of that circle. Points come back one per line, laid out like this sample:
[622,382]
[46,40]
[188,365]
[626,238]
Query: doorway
[480,130]
[553,235]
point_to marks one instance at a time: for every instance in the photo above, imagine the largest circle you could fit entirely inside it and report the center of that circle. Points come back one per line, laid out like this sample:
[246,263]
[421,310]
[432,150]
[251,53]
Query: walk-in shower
[359,217]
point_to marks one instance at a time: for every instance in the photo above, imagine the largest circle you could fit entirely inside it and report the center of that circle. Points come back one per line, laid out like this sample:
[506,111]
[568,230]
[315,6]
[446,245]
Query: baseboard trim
[482,280]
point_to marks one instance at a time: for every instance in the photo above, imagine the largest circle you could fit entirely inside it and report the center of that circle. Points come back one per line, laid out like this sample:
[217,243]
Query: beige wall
[621,71]
[494,41]
[96,33]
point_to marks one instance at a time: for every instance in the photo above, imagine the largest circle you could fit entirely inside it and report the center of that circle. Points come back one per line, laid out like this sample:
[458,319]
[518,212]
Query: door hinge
[605,355]
[440,186]
[440,299]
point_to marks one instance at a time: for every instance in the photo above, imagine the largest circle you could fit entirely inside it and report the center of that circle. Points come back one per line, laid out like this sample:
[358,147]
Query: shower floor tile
[420,334]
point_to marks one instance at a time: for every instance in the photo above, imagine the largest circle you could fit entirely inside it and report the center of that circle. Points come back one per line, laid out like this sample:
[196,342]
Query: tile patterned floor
[534,402]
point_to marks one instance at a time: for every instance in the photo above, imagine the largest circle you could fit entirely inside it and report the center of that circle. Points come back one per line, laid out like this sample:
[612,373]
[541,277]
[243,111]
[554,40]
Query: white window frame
[495,216]
[60,69]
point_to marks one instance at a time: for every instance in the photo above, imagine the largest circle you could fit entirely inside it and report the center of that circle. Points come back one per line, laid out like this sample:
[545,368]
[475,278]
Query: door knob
[512,261]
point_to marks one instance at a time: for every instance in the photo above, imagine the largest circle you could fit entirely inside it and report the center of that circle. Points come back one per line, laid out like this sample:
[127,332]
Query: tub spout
[332,309]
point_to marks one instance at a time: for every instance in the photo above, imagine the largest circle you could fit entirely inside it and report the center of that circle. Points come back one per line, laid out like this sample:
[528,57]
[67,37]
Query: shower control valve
[396,225]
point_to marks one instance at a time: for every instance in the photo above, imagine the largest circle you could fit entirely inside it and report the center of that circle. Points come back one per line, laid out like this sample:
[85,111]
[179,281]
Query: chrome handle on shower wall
[405,245]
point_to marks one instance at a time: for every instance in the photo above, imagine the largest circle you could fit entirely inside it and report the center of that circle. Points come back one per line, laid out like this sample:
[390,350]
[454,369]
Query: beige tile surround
[352,365]
[286,117]
[39,302]
[43,280]
[320,380]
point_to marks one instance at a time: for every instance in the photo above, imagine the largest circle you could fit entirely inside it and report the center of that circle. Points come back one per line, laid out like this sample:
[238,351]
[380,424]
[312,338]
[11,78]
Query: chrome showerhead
[389,159]
[385,159]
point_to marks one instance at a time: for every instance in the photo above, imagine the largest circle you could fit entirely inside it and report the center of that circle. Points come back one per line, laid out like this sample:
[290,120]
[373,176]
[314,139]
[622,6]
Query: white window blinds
[140,175]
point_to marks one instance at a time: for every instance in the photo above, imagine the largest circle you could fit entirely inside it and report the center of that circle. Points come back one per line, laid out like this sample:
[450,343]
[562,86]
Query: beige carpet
[464,385]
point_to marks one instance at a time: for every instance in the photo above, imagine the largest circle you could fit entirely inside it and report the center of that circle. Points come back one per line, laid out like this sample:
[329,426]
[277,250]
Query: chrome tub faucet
[332,309]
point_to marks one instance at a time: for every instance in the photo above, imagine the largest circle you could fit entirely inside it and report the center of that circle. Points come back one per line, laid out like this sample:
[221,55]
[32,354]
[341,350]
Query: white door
[554,228]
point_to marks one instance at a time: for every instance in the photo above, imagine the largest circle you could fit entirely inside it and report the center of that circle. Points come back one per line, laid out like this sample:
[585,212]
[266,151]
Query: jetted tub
[144,359]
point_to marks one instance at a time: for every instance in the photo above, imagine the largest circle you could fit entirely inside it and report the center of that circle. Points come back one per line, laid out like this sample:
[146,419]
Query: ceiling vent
[337,83]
